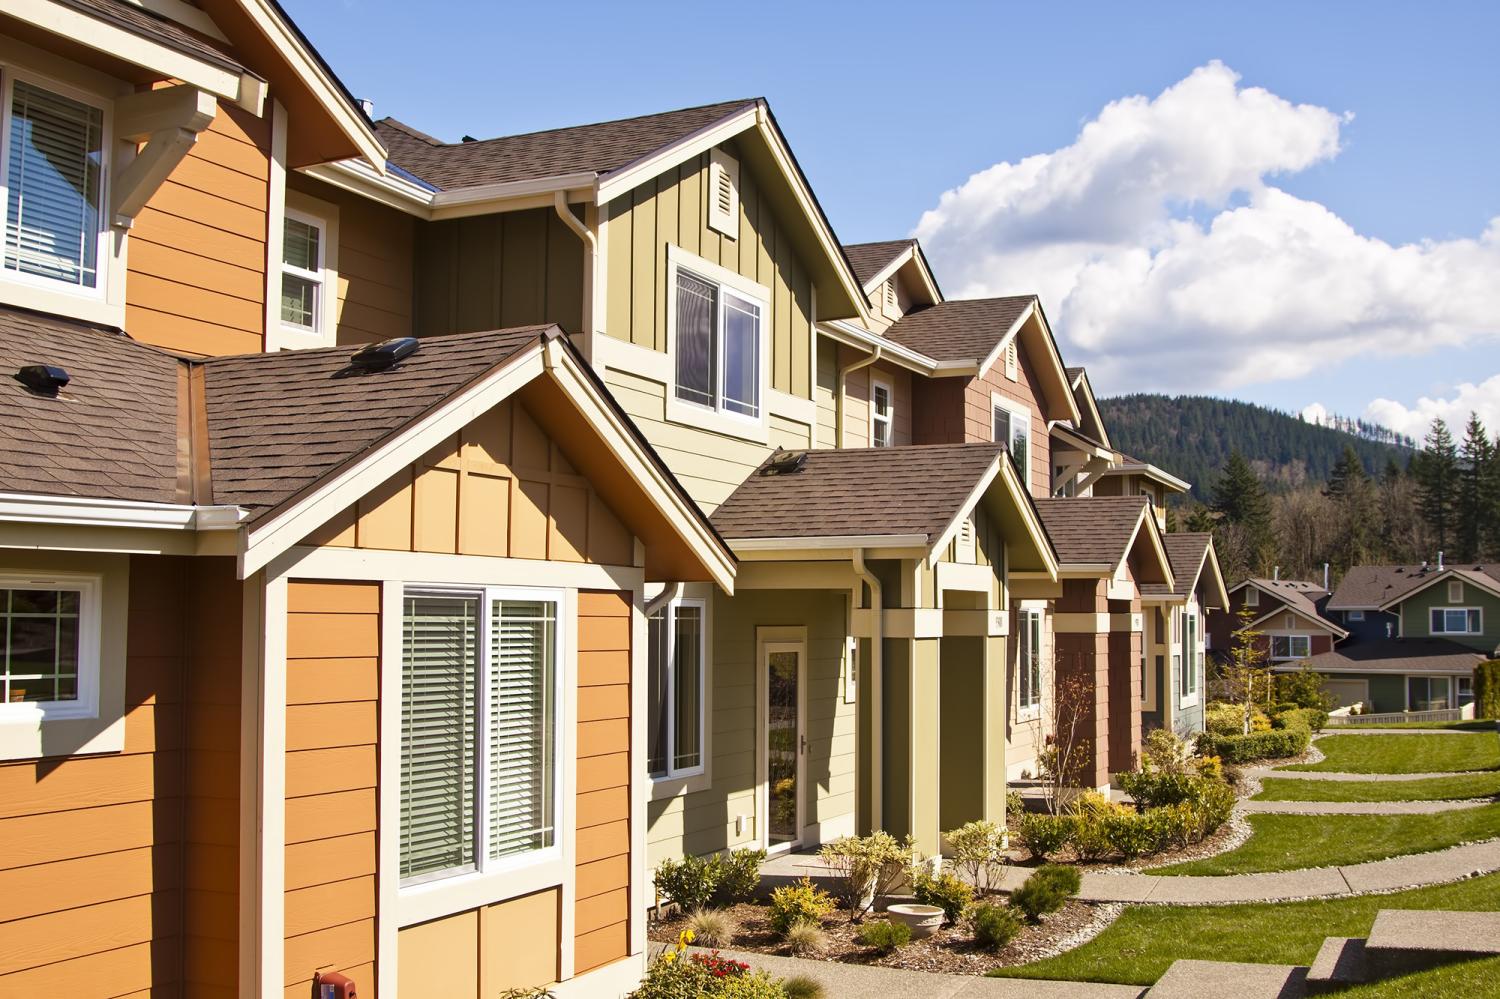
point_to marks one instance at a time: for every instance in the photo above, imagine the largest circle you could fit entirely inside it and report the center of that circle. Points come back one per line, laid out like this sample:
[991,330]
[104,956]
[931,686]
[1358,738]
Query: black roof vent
[385,354]
[43,379]
[469,138]
[784,462]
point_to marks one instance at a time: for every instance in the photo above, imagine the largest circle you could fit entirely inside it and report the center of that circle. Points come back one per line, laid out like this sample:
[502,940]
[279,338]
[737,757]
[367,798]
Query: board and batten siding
[496,271]
[672,209]
[197,252]
[858,389]
[332,684]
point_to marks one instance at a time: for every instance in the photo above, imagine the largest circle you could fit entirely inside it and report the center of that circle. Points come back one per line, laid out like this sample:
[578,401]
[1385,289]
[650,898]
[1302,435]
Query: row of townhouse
[407,545]
[1392,638]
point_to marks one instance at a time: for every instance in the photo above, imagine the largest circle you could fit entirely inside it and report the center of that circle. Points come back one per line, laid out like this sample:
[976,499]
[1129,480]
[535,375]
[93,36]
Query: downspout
[838,399]
[672,592]
[875,681]
[590,263]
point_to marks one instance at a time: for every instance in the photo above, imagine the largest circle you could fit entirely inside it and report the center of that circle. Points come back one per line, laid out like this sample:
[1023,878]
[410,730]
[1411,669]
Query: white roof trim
[1151,472]
[988,362]
[1446,576]
[830,541]
[632,175]
[1001,468]
[855,335]
[76,511]
[890,268]
[1318,622]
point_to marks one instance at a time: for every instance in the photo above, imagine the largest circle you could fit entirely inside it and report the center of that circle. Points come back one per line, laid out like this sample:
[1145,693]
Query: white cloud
[1166,259]
[1315,412]
[1482,399]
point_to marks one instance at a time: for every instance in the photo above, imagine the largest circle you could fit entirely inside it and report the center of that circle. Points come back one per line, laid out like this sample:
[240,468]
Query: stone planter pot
[924,920]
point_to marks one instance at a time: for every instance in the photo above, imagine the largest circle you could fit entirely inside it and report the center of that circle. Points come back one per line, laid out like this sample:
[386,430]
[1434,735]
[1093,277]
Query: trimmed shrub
[1273,745]
[994,925]
[1045,891]
[1313,719]
[1155,788]
[751,985]
[948,892]
[712,927]
[1043,835]
[884,936]
[739,878]
[803,987]
[803,902]
[977,851]
[1129,834]
[1487,689]
[867,867]
[691,881]
[806,939]
[1015,804]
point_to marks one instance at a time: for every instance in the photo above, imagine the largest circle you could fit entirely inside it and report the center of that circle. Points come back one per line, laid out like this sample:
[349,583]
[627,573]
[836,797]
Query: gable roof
[1101,531]
[924,491]
[1189,554]
[1371,587]
[1397,655]
[599,148]
[869,259]
[148,24]
[1297,595]
[1090,419]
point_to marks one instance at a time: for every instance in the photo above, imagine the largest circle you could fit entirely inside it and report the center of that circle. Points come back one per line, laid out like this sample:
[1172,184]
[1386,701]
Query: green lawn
[1146,939]
[1290,842]
[1480,785]
[1406,754]
[1471,978]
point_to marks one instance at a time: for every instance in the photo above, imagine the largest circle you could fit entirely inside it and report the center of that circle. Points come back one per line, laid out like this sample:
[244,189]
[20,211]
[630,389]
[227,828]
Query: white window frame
[1427,678]
[1252,597]
[1028,708]
[1021,411]
[105,301]
[669,610]
[1188,676]
[889,418]
[717,418]
[437,893]
[1465,611]
[1356,615]
[86,704]
[324,216]
[1291,655]
[851,670]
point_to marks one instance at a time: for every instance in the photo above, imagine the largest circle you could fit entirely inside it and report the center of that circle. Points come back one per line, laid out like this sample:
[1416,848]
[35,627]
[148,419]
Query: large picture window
[479,731]
[1427,693]
[675,677]
[54,169]
[1012,427]
[718,344]
[1457,621]
[1029,659]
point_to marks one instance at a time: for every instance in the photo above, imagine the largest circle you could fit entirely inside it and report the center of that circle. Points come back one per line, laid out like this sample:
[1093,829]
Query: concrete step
[1340,964]
[1229,980]
[1406,940]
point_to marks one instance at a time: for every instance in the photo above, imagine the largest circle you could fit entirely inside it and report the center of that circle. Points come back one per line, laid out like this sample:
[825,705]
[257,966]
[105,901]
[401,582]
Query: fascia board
[633,175]
[891,267]
[854,336]
[1015,328]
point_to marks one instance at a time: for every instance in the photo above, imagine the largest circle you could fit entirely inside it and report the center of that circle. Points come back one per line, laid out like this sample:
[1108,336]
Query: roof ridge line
[440,144]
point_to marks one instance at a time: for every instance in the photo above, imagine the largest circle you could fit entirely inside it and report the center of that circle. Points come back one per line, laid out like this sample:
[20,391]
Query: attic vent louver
[785,463]
[43,379]
[385,354]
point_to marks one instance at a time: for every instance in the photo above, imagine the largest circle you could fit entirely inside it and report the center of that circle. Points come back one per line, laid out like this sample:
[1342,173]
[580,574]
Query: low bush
[1155,788]
[884,936]
[1313,719]
[1272,745]
[677,975]
[948,892]
[803,902]
[535,992]
[691,881]
[1043,835]
[806,939]
[977,851]
[1130,834]
[1015,804]
[803,987]
[739,878]
[1046,891]
[994,926]
[1220,718]
[866,867]
[712,927]
[750,985]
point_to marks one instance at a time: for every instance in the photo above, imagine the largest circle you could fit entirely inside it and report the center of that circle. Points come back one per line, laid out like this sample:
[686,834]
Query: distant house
[1289,613]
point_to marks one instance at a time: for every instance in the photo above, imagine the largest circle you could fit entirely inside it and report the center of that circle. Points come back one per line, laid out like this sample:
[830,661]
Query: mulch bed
[951,949]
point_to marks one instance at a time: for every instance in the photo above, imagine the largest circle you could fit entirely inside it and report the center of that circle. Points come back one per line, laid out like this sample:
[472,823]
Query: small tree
[1244,677]
[1069,748]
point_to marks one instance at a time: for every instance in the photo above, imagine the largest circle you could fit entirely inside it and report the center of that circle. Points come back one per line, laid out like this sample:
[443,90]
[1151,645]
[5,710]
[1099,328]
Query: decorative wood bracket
[168,121]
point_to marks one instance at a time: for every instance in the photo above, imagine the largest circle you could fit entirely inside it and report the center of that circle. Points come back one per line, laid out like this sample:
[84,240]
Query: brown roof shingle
[1397,655]
[1185,551]
[913,489]
[110,434]
[868,259]
[598,148]
[960,329]
[280,422]
[1091,529]
[1376,585]
[137,20]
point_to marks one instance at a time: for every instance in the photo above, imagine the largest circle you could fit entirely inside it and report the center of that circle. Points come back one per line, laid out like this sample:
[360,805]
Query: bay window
[1457,621]
[479,730]
[675,677]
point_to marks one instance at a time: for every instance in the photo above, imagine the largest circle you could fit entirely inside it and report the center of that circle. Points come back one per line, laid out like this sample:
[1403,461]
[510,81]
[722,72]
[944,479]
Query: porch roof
[1189,553]
[1104,531]
[1397,655]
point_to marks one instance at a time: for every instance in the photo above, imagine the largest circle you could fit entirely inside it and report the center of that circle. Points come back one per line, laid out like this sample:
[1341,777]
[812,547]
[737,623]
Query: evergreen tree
[1475,507]
[1357,532]
[1241,502]
[1435,468]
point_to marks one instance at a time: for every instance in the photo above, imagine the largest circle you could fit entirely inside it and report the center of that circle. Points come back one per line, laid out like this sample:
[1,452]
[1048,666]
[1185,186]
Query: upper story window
[881,410]
[1252,597]
[54,187]
[303,243]
[480,726]
[1012,427]
[719,343]
[1291,646]
[1356,615]
[50,658]
[675,677]
[1457,621]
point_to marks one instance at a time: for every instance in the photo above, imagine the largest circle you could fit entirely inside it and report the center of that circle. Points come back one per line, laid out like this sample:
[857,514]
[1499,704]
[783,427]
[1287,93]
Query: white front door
[783,743]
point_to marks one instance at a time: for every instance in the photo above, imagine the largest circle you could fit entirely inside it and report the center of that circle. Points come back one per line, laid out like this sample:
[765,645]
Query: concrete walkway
[841,980]
[1416,870]
[1371,730]
[1259,773]
[1250,807]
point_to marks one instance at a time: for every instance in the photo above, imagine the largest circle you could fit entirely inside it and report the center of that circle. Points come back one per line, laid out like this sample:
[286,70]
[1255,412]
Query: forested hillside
[1192,437]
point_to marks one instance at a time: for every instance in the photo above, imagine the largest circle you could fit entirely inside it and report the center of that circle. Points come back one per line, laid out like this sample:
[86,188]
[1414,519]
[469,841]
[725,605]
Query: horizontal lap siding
[333,649]
[91,848]
[602,903]
[979,414]
[197,258]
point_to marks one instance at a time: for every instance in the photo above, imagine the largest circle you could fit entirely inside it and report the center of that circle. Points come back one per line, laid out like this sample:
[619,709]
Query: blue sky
[889,106]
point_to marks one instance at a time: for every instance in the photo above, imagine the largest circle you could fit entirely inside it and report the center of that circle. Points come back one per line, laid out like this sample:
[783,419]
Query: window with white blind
[1029,660]
[675,678]
[479,730]
[881,411]
[718,342]
[303,245]
[54,164]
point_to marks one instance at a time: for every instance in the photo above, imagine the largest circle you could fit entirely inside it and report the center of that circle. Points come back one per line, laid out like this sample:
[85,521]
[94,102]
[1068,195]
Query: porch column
[992,733]
[926,712]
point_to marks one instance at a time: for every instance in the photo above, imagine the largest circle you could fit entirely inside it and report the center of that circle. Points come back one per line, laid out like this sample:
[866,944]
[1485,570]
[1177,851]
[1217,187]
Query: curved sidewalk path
[1411,871]
[1250,807]
[1259,773]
